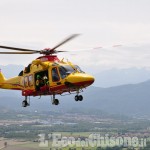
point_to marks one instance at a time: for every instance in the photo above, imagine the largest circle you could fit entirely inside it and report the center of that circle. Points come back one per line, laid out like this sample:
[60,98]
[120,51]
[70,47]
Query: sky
[38,24]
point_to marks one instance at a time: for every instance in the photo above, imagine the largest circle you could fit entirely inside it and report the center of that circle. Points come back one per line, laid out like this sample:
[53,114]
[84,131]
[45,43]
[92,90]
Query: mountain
[105,78]
[115,77]
[131,99]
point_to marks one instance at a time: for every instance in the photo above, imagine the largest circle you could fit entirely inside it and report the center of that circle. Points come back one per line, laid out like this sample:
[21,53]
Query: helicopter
[47,75]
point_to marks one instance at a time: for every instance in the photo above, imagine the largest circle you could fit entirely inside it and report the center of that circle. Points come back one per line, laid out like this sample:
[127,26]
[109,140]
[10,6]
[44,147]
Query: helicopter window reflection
[55,76]
[30,80]
[22,82]
[79,69]
[68,69]
[26,81]
[62,72]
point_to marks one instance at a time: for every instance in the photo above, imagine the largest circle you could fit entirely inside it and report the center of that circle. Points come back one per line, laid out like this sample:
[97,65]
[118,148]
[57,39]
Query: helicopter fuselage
[47,75]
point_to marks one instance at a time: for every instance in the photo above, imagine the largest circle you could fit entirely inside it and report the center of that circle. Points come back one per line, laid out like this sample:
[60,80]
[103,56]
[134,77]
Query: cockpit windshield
[78,69]
[65,70]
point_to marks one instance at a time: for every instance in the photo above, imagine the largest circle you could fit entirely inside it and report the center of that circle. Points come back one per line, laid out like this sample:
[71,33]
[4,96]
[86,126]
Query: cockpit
[79,69]
[65,70]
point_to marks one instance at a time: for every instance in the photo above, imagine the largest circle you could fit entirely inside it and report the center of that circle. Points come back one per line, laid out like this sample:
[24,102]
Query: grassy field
[35,146]
[13,144]
[28,145]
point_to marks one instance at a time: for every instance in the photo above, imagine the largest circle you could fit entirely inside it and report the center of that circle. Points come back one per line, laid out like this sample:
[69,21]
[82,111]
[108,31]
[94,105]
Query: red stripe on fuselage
[57,89]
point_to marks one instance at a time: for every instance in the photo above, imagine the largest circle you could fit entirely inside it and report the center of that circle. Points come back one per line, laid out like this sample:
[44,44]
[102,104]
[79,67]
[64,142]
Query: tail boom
[13,83]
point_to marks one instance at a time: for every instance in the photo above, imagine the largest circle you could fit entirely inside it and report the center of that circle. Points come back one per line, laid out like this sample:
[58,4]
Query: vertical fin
[2,78]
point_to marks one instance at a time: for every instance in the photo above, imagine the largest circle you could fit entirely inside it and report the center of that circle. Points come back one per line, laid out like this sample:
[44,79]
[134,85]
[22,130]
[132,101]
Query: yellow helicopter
[47,75]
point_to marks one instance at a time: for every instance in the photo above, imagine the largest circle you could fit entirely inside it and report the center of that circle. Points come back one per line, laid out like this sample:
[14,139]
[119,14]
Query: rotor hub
[47,51]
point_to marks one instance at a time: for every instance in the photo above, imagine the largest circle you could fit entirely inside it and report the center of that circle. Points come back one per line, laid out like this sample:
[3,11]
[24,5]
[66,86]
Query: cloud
[114,57]
[38,24]
[121,56]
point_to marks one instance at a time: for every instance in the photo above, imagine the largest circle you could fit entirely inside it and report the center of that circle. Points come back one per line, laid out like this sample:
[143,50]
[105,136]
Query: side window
[22,82]
[26,81]
[55,76]
[31,80]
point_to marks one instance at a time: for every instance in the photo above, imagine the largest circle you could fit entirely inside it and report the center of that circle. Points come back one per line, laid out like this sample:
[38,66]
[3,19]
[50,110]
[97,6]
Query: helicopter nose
[80,79]
[88,79]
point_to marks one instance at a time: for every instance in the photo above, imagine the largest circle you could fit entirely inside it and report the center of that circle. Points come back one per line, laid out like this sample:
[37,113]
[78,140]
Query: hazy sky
[43,23]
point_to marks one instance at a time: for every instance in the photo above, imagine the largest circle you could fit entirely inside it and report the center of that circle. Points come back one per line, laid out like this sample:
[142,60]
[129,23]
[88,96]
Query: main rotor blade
[18,49]
[59,51]
[32,52]
[65,41]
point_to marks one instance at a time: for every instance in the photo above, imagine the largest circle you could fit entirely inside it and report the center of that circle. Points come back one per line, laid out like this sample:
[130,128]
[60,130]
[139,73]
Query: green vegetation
[29,125]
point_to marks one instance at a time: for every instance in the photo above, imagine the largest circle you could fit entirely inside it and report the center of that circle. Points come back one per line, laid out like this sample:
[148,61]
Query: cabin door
[41,80]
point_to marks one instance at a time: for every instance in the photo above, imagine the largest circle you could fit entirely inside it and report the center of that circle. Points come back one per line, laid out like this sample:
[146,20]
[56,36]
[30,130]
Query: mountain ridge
[128,99]
[106,78]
